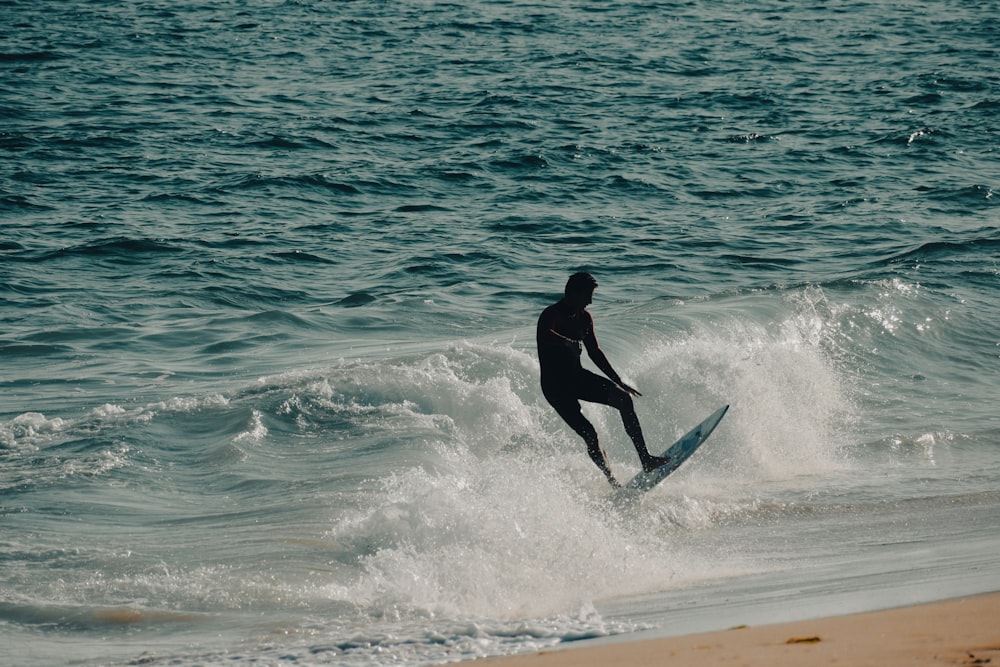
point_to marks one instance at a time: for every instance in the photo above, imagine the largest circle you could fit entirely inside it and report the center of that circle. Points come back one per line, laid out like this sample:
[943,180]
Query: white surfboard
[678,454]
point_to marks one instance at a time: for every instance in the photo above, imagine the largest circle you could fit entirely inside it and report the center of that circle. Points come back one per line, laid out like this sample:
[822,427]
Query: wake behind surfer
[564,329]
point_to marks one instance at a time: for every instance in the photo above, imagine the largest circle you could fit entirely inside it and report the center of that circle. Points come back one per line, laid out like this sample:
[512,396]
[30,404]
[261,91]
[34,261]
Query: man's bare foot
[654,462]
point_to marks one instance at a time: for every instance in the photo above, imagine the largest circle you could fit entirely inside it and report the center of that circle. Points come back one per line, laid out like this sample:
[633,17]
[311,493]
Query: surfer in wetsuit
[564,329]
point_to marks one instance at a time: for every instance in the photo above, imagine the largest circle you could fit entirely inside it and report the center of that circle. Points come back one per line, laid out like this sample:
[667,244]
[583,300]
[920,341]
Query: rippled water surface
[269,274]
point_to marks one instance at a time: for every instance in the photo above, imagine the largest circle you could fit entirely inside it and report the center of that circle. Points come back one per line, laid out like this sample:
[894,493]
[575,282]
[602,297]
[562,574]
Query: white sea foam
[512,519]
[28,428]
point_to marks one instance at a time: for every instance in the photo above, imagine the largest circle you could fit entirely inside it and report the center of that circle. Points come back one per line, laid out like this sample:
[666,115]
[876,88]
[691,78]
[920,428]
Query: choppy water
[269,279]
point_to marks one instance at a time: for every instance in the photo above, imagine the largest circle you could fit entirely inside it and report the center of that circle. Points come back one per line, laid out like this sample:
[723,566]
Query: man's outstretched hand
[630,390]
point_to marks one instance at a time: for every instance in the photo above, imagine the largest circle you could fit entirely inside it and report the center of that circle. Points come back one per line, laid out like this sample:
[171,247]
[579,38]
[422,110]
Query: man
[564,329]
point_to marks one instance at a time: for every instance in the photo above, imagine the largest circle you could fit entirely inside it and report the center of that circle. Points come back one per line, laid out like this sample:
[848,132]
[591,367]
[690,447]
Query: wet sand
[963,631]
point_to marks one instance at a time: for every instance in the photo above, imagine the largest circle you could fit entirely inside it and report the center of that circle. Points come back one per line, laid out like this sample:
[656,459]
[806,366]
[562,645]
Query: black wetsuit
[565,382]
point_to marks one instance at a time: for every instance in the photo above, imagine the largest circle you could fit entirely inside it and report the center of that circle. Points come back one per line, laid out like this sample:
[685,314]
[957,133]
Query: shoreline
[961,631]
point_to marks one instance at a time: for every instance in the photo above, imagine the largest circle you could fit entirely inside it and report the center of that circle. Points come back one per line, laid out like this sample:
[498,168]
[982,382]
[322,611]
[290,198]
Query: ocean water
[269,274]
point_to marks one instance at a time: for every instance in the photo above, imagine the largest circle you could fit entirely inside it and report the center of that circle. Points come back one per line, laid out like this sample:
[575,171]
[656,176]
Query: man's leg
[596,453]
[586,430]
[619,399]
[596,388]
[569,409]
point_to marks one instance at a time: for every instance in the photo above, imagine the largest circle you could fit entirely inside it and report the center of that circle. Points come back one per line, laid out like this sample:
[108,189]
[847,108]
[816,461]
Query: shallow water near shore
[270,274]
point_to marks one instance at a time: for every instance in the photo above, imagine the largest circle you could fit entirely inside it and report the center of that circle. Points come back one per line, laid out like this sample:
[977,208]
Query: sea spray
[511,505]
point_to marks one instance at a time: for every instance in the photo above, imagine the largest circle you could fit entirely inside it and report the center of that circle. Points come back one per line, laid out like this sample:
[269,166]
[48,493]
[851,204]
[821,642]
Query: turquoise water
[269,279]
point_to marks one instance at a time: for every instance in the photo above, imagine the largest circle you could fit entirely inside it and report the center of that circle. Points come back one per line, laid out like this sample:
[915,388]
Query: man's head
[580,282]
[580,288]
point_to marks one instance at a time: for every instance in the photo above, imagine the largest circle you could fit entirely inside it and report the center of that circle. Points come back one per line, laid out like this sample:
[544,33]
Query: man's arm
[600,360]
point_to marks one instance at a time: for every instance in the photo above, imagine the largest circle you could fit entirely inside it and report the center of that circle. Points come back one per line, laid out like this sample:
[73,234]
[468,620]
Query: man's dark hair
[580,282]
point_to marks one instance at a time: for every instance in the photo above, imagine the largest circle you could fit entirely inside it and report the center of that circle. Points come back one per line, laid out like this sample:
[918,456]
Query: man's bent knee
[621,400]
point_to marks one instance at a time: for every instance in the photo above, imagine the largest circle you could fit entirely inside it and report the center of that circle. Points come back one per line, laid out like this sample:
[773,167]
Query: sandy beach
[963,631]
